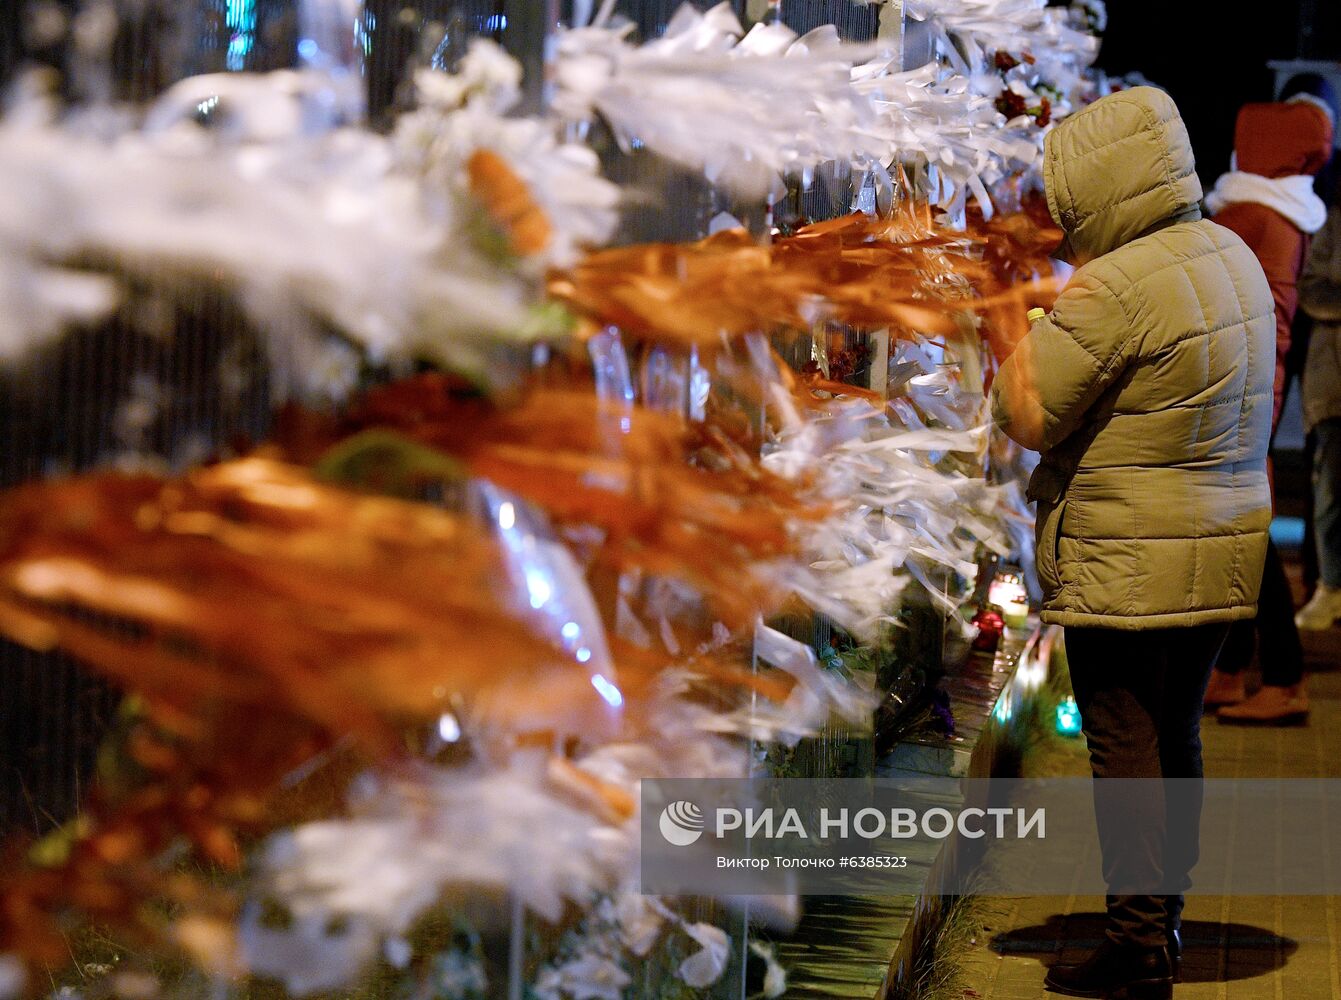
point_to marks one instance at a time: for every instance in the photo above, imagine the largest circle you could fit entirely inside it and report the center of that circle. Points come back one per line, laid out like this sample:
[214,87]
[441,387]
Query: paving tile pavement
[1237,947]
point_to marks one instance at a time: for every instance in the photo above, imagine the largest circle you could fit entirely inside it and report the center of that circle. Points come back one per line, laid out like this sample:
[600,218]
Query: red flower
[1011,104]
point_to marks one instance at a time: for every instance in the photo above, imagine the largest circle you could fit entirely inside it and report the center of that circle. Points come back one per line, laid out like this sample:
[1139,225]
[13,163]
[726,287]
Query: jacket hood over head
[1119,169]
[1282,139]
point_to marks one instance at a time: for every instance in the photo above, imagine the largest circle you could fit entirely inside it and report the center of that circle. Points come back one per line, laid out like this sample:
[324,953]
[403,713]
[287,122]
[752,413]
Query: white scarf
[1292,197]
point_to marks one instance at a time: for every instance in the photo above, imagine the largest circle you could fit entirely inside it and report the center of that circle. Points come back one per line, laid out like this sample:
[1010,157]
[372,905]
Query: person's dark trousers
[1273,631]
[1140,699]
[1301,332]
[1308,552]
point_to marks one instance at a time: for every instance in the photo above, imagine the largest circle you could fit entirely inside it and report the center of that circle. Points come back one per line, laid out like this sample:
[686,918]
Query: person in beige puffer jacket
[1148,391]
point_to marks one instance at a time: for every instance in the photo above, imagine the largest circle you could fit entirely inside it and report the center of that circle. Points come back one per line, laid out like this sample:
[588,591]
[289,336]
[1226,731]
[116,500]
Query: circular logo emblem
[681,823]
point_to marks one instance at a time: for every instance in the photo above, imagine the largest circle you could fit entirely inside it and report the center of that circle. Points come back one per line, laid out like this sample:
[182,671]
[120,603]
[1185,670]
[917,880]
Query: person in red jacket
[1269,200]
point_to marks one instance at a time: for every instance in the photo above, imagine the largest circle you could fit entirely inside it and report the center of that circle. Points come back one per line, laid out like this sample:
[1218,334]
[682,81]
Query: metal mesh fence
[175,377]
[178,375]
[856,22]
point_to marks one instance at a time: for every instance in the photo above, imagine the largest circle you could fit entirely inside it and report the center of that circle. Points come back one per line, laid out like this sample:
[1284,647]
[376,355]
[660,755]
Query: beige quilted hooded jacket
[1148,388]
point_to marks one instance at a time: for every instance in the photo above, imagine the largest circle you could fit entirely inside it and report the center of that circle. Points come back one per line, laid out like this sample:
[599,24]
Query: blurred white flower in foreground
[13,977]
[464,112]
[588,977]
[705,966]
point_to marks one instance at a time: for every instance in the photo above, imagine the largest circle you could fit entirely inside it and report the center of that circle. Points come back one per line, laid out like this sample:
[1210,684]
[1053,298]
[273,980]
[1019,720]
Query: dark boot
[1173,931]
[1175,935]
[1116,972]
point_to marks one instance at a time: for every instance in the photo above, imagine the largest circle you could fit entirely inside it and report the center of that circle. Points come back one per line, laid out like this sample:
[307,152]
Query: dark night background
[1213,58]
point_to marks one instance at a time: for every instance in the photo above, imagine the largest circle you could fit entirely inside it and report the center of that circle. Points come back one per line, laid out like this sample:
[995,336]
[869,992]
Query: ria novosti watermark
[935,823]
[1012,837]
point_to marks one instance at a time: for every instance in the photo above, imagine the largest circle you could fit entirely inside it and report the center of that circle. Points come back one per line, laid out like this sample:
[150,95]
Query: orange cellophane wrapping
[1019,276]
[249,598]
[267,621]
[670,498]
[253,584]
[900,272]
